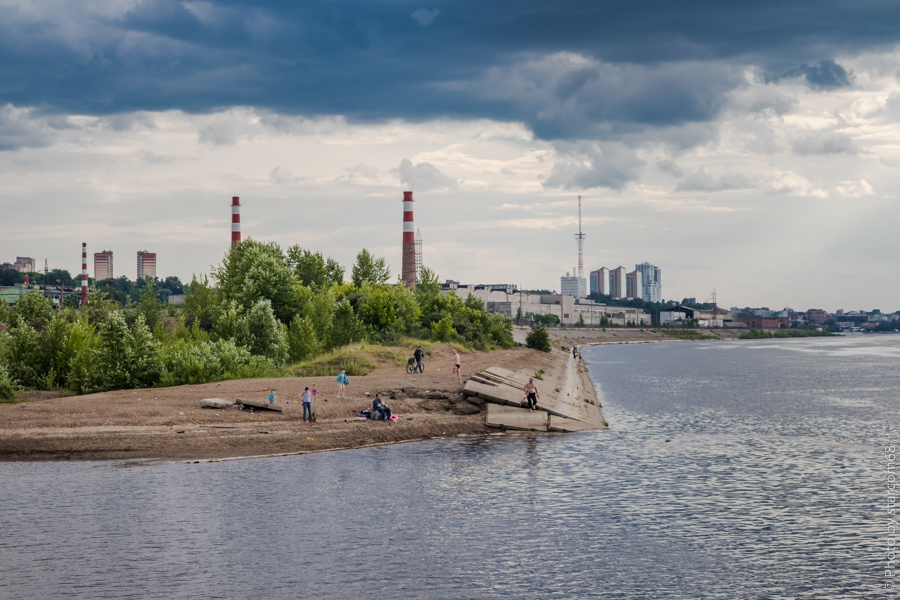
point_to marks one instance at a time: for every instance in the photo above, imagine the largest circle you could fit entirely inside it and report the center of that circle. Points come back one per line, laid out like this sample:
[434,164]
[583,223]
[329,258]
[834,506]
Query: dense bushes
[538,338]
[262,310]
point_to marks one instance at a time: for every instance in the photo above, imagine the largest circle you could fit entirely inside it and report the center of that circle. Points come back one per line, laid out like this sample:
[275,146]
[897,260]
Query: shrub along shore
[262,312]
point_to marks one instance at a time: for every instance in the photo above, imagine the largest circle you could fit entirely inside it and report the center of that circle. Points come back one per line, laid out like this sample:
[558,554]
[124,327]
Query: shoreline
[168,423]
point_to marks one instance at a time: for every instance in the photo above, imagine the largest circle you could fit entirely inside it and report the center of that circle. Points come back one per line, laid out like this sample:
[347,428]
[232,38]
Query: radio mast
[579,237]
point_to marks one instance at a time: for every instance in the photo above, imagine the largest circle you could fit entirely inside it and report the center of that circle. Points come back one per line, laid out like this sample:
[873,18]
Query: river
[740,469]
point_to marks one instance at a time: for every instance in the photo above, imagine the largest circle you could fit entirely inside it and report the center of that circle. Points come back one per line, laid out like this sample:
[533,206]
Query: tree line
[260,310]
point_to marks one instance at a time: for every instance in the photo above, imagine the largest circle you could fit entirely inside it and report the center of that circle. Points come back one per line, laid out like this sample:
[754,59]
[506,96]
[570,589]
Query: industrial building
[103,265]
[573,286]
[146,264]
[25,264]
[568,309]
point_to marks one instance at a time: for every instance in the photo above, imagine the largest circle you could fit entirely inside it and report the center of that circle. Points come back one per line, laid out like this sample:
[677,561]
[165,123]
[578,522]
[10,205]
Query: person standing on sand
[342,380]
[531,394]
[272,397]
[314,392]
[574,351]
[455,367]
[307,405]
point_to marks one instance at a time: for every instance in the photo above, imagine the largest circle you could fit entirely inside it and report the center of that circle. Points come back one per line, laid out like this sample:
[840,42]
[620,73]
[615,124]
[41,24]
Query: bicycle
[411,366]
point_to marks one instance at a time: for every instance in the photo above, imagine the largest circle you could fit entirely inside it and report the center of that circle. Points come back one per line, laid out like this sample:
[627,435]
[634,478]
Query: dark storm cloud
[646,64]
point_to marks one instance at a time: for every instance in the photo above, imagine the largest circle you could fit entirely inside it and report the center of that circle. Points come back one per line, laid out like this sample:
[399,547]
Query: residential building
[764,322]
[146,264]
[618,283]
[633,287]
[816,315]
[24,264]
[651,280]
[573,286]
[600,281]
[103,265]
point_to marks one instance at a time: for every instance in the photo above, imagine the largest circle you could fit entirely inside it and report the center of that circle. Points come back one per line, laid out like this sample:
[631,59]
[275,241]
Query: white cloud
[425,17]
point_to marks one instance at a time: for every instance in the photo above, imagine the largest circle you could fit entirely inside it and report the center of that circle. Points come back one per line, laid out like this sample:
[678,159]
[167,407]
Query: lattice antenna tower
[579,237]
[418,254]
[715,318]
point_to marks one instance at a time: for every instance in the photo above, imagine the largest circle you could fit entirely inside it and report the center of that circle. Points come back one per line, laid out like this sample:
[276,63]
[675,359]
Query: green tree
[34,309]
[428,284]
[266,335]
[312,269]
[150,306]
[253,271]
[346,327]
[302,341]
[200,302]
[369,268]
[8,385]
[443,331]
[538,338]
[231,324]
[26,359]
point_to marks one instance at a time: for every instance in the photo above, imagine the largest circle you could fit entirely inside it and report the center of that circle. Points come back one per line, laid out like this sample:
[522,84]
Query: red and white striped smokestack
[408,272]
[84,289]
[235,220]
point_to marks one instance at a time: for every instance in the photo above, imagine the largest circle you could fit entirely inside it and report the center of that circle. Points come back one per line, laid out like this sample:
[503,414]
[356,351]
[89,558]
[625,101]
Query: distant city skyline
[746,148]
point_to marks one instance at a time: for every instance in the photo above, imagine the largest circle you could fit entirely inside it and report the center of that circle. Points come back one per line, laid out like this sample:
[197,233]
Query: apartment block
[103,265]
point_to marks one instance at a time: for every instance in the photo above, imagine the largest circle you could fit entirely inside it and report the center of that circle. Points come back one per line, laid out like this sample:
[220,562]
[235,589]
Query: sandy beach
[168,423]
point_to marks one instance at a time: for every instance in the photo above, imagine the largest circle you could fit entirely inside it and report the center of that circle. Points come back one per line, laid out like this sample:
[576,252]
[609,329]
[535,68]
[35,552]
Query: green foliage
[302,341]
[266,333]
[8,385]
[254,271]
[200,302]
[539,374]
[231,324]
[150,306]
[387,307]
[538,338]
[184,362]
[5,312]
[428,284]
[688,334]
[472,324]
[34,309]
[312,269]
[25,356]
[346,327]
[371,269]
[443,331]
[761,334]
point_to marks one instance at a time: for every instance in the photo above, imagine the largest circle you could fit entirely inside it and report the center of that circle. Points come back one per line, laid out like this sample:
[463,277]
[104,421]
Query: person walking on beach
[272,397]
[455,367]
[419,354]
[306,402]
[574,351]
[531,394]
[342,380]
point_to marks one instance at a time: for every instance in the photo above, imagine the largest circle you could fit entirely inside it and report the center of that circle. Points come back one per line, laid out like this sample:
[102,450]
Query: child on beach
[314,392]
[272,397]
[342,380]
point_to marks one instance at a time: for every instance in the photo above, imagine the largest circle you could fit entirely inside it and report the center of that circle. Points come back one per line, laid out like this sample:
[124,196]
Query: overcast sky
[753,149]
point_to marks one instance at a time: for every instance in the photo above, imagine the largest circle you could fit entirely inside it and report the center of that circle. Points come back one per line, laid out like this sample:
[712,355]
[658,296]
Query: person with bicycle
[419,354]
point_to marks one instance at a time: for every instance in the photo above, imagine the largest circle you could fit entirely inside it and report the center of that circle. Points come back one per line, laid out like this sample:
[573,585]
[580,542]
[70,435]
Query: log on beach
[264,404]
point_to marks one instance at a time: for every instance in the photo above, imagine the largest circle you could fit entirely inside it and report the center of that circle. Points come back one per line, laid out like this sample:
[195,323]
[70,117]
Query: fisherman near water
[455,367]
[419,354]
[342,380]
[531,394]
[306,402]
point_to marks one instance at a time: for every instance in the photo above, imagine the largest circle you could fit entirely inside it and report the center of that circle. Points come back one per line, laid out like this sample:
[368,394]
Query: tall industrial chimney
[84,289]
[235,220]
[408,274]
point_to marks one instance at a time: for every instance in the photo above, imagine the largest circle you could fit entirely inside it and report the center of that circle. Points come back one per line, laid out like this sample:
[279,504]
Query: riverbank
[583,336]
[168,423]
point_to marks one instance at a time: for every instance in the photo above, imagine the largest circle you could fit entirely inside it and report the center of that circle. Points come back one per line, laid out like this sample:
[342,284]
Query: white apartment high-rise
[651,281]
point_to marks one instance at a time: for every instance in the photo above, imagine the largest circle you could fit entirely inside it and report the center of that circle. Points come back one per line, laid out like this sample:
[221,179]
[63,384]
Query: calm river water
[731,470]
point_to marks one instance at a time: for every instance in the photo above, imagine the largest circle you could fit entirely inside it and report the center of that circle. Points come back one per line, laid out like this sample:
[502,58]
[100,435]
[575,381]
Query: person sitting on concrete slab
[381,408]
[531,394]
